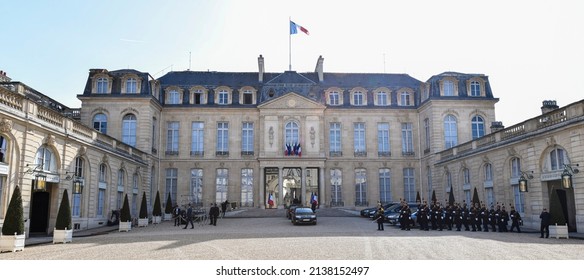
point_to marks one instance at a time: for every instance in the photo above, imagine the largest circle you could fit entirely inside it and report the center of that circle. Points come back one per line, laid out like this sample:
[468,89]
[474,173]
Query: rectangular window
[490,196]
[385,185]
[223,97]
[198,97]
[222,139]
[448,88]
[467,196]
[519,199]
[359,139]
[171,184]
[335,139]
[383,140]
[197,138]
[409,185]
[247,138]
[361,187]
[134,205]
[221,185]
[405,99]
[358,98]
[427,134]
[382,98]
[247,97]
[131,86]
[407,139]
[172,138]
[247,187]
[100,202]
[75,207]
[336,187]
[197,187]
[334,98]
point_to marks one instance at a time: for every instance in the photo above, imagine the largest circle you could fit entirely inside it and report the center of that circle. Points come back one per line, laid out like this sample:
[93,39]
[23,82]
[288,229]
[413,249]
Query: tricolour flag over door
[294,28]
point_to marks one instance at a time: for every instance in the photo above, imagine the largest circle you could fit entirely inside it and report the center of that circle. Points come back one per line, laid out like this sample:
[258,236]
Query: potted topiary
[558,226]
[125,216]
[168,209]
[63,232]
[157,210]
[143,216]
[12,237]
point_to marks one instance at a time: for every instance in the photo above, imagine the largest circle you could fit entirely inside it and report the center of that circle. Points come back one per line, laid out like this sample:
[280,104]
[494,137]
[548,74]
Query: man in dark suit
[189,217]
[213,214]
[545,223]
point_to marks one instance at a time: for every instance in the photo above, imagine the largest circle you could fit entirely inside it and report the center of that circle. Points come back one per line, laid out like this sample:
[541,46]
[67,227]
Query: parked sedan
[303,215]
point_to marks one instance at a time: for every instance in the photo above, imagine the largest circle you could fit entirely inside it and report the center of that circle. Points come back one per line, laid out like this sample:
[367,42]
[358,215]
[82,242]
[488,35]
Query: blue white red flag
[294,28]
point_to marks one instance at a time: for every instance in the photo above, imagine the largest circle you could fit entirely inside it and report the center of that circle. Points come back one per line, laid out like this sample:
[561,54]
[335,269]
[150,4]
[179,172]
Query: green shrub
[14,218]
[168,207]
[143,207]
[64,215]
[157,211]
[125,215]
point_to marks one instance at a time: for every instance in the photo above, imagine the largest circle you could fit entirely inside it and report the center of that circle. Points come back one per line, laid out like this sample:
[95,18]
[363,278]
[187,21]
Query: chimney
[548,106]
[4,77]
[496,126]
[319,68]
[261,69]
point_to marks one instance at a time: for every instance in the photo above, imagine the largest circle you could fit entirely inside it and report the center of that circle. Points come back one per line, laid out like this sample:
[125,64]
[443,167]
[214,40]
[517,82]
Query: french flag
[294,28]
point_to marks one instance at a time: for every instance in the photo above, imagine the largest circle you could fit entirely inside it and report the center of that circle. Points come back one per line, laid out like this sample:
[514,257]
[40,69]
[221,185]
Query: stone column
[262,189]
[280,189]
[322,198]
[303,185]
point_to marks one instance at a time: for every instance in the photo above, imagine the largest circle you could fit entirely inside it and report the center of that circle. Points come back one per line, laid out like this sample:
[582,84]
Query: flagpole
[289,45]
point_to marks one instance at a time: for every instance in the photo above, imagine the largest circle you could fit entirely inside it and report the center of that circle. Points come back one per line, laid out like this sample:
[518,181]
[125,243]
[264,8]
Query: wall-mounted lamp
[40,179]
[77,186]
[567,175]
[523,180]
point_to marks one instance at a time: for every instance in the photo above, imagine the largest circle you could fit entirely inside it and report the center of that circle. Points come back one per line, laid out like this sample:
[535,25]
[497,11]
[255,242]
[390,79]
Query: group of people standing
[188,215]
[474,218]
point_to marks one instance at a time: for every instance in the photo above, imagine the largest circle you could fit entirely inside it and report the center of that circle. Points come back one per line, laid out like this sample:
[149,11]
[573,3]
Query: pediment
[291,101]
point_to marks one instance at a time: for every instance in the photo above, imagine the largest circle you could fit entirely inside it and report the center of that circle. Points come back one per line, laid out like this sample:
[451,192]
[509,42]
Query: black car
[303,215]
[392,213]
[370,212]
[290,210]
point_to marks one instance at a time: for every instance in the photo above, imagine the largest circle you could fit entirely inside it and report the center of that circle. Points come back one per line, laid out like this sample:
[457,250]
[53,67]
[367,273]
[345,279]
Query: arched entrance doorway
[567,202]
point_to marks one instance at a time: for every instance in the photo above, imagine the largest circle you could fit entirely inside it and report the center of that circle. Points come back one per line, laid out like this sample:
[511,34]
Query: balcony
[383,154]
[247,153]
[222,153]
[360,154]
[197,153]
[171,153]
[335,154]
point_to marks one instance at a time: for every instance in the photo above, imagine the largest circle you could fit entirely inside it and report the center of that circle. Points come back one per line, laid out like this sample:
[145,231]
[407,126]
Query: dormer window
[405,99]
[381,98]
[475,88]
[334,98]
[247,97]
[448,88]
[223,97]
[131,86]
[102,85]
[173,97]
[358,98]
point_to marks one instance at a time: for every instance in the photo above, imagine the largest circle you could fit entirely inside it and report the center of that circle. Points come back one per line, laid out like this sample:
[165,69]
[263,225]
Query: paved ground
[256,234]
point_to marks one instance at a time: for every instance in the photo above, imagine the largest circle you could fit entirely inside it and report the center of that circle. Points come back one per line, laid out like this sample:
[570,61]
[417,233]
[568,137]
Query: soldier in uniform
[406,217]
[379,216]
[423,216]
[439,216]
[465,217]
[433,215]
[485,217]
[515,219]
[448,216]
[458,216]
[493,219]
[478,217]
[503,219]
[472,214]
[498,217]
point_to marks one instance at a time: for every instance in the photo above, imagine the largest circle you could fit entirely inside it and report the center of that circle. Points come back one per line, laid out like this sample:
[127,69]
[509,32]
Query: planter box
[559,231]
[62,236]
[12,243]
[125,226]
[143,222]
[156,219]
[167,217]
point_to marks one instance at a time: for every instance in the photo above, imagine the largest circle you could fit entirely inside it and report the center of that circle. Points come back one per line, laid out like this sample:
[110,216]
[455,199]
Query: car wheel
[314,223]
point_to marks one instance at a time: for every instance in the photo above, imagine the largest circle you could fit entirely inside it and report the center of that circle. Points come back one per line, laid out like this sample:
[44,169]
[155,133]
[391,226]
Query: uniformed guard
[406,217]
[485,217]
[458,216]
[423,216]
[448,216]
[433,215]
[379,216]
[515,219]
[465,217]
[503,219]
[493,218]
[472,214]
[478,221]
[498,217]
[439,212]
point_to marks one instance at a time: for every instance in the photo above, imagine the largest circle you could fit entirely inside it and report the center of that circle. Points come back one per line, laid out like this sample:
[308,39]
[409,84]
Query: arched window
[76,201]
[100,123]
[223,98]
[488,184]
[448,88]
[131,85]
[3,145]
[358,98]
[381,98]
[46,159]
[478,127]
[475,88]
[292,133]
[450,132]
[102,186]
[517,195]
[129,130]
[102,85]
[557,159]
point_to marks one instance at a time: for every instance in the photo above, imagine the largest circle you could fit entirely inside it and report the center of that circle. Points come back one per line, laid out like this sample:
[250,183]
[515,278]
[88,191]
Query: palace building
[266,139]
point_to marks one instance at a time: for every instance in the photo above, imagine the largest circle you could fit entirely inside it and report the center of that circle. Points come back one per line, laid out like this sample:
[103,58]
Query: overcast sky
[531,50]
